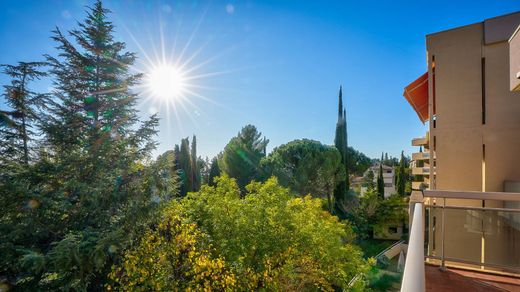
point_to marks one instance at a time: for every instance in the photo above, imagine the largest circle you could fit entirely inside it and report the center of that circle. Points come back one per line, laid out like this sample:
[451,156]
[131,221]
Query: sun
[166,82]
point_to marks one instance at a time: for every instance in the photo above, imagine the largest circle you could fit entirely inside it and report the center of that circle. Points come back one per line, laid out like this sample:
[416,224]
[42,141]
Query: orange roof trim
[416,93]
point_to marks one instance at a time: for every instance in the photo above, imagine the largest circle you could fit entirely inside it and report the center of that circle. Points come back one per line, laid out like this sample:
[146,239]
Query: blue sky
[275,64]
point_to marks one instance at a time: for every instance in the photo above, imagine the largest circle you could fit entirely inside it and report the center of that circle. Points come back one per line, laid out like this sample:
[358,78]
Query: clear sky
[275,64]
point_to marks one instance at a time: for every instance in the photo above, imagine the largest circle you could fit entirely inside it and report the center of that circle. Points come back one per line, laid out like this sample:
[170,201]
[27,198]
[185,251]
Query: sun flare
[166,82]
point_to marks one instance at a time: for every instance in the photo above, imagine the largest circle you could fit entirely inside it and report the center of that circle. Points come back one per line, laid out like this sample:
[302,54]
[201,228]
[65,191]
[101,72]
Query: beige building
[388,178]
[471,158]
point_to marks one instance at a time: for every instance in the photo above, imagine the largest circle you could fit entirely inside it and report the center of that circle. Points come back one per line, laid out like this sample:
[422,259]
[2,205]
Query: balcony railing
[475,229]
[420,141]
[421,156]
[466,230]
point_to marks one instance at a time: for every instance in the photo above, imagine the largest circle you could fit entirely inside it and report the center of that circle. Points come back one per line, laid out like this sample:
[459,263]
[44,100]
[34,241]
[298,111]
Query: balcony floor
[463,280]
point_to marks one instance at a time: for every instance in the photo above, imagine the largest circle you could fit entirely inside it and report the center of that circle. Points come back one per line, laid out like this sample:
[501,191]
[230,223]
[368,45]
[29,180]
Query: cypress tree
[176,156]
[15,126]
[380,180]
[401,175]
[340,141]
[195,169]
[185,167]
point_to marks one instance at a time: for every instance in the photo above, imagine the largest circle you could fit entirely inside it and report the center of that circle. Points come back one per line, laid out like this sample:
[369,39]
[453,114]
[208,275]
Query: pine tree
[195,166]
[340,141]
[380,180]
[241,156]
[15,126]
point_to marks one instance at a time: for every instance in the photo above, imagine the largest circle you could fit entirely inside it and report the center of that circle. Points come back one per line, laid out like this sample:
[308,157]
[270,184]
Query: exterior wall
[476,135]
[514,60]
[388,178]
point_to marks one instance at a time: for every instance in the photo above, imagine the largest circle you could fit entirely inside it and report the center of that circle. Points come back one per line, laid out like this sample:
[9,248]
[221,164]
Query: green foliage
[174,255]
[188,165]
[357,162]
[241,156]
[402,176]
[372,212]
[264,240]
[15,123]
[90,189]
[214,171]
[368,179]
[306,167]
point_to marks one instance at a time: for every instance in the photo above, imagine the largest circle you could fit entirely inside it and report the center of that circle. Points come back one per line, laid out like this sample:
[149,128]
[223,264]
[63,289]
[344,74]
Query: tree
[357,162]
[91,189]
[260,241]
[15,129]
[368,179]
[195,166]
[401,177]
[381,181]
[340,141]
[214,171]
[173,256]
[186,172]
[241,156]
[372,212]
[306,167]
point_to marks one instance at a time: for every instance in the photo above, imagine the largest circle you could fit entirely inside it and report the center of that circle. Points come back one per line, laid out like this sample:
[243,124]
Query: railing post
[443,255]
[414,275]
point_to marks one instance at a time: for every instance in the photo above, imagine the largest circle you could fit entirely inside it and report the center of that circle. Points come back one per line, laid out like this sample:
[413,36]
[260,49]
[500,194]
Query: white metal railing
[414,275]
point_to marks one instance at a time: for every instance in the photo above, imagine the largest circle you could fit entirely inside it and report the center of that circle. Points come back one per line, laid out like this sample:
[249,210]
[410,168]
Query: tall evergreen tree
[176,154]
[88,193]
[195,166]
[15,126]
[401,175]
[214,171]
[380,180]
[241,156]
[340,141]
[185,167]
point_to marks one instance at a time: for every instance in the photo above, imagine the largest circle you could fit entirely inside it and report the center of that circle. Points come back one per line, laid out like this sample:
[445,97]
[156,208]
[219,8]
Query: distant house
[388,177]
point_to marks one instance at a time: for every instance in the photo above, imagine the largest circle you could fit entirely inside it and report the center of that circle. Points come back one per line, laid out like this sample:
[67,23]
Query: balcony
[421,156]
[420,170]
[420,141]
[468,246]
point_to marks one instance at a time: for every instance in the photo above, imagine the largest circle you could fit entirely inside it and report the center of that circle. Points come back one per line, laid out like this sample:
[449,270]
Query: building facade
[388,178]
[469,97]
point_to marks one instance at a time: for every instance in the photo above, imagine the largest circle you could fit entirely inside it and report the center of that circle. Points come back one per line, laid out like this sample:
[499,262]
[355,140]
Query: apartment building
[388,178]
[467,177]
